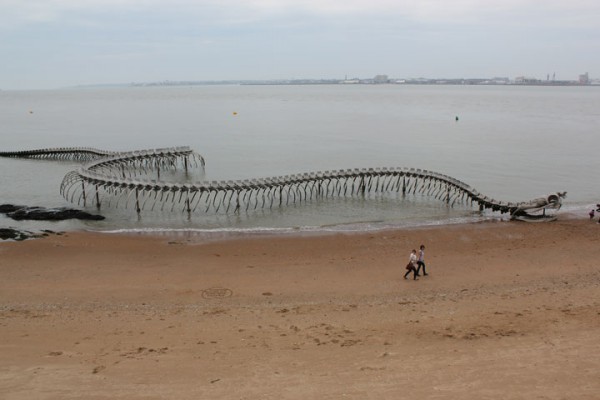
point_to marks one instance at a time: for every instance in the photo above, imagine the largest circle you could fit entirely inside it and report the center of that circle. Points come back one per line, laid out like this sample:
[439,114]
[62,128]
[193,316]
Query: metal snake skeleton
[116,176]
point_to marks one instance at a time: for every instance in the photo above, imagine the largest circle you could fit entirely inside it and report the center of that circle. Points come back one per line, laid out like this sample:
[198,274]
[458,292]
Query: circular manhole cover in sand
[216,293]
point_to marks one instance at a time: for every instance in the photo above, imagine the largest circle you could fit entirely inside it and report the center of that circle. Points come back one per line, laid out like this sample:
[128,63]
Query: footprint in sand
[98,369]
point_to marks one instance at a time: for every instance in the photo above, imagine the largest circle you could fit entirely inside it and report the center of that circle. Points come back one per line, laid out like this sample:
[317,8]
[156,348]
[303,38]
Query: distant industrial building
[523,80]
[381,79]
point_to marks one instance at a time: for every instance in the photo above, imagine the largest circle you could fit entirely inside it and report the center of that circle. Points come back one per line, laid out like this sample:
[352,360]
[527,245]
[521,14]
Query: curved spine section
[116,178]
[92,182]
[135,163]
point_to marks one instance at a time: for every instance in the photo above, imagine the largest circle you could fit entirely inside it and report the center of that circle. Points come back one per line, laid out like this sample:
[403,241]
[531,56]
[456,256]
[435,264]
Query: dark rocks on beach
[14,234]
[18,235]
[46,214]
[8,208]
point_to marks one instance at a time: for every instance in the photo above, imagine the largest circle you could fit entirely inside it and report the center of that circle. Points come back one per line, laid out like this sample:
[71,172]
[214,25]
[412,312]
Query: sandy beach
[509,310]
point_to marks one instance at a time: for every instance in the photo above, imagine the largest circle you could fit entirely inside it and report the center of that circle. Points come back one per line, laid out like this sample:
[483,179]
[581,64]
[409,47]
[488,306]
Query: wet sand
[509,311]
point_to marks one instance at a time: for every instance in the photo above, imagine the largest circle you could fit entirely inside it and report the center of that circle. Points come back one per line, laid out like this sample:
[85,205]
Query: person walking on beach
[421,261]
[591,214]
[411,267]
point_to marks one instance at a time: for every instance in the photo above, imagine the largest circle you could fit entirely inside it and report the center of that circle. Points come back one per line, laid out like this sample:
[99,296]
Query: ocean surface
[512,143]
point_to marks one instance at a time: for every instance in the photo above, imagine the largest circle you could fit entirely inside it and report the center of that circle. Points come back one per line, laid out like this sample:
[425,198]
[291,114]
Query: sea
[511,143]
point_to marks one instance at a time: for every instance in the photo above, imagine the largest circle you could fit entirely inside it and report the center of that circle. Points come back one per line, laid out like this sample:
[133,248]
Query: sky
[46,44]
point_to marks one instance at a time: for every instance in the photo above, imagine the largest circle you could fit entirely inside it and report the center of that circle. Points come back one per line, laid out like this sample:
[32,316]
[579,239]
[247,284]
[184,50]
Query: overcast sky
[59,43]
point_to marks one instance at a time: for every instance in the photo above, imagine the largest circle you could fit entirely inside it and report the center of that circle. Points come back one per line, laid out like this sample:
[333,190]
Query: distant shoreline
[323,82]
[300,82]
[319,82]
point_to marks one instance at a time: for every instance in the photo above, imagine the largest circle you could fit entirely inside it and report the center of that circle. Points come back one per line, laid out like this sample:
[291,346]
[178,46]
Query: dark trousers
[413,270]
[419,265]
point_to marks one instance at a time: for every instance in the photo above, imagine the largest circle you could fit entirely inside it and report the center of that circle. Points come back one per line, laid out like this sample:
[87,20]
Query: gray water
[512,143]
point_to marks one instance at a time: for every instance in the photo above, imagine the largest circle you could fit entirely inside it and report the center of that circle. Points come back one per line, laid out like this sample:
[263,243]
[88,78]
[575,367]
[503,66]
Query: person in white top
[412,265]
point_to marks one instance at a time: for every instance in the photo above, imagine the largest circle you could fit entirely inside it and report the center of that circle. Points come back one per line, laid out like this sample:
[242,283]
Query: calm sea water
[512,143]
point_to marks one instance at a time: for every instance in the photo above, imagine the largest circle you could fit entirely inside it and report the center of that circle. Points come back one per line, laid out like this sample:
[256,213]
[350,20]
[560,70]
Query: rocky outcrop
[14,234]
[18,235]
[20,213]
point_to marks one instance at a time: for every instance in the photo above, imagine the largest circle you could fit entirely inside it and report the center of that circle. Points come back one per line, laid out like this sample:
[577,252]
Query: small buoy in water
[456,118]
[30,111]
[235,113]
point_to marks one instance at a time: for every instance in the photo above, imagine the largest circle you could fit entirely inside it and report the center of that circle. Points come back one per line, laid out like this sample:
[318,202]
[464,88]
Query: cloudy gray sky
[58,43]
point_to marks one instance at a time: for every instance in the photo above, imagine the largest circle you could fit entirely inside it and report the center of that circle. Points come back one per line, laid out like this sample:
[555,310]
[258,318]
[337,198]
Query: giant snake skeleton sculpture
[115,178]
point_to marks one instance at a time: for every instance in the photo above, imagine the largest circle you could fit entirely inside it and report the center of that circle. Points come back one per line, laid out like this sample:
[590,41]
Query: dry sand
[508,311]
